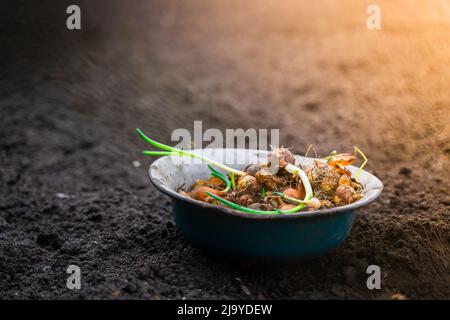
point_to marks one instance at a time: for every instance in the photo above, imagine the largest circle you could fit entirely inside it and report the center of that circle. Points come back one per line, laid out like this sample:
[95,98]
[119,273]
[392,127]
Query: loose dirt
[71,189]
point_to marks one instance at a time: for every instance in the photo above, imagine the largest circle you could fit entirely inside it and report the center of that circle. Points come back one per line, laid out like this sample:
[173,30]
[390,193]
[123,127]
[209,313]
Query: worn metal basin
[245,236]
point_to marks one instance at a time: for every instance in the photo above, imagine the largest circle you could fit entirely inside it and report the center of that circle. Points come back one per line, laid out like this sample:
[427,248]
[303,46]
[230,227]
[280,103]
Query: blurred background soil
[74,188]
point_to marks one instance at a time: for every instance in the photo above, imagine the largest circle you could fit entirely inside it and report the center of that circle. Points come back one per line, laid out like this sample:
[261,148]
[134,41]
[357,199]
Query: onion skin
[215,182]
[326,203]
[344,195]
[247,184]
[268,179]
[330,182]
[292,193]
[283,156]
[342,171]
[246,200]
[201,195]
[301,190]
[199,183]
[342,159]
[314,170]
[184,193]
[345,180]
[286,206]
[253,169]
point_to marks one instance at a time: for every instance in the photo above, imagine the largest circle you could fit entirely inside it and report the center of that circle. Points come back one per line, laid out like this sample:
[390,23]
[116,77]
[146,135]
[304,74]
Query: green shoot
[363,164]
[290,199]
[225,180]
[248,210]
[216,172]
[330,155]
[233,182]
[155,143]
[263,192]
[222,177]
[158,153]
[171,151]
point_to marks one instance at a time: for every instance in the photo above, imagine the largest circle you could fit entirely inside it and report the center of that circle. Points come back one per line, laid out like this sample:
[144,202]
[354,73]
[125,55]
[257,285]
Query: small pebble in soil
[3,223]
[46,268]
[116,294]
[72,247]
[96,217]
[398,296]
[136,164]
[350,275]
[51,241]
[245,289]
[405,171]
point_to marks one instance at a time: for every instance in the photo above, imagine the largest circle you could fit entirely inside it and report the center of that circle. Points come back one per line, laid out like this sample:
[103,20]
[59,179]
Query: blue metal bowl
[245,236]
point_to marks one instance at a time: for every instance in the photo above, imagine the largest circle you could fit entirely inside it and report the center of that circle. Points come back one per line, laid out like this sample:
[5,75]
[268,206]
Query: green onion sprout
[363,164]
[330,155]
[248,210]
[233,182]
[222,177]
[171,151]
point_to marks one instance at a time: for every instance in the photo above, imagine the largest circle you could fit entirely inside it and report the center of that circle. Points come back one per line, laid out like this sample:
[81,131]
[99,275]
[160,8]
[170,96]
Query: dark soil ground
[69,101]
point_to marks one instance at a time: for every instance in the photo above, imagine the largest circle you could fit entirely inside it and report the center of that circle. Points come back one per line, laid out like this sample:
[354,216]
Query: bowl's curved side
[241,235]
[262,239]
